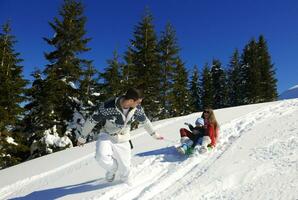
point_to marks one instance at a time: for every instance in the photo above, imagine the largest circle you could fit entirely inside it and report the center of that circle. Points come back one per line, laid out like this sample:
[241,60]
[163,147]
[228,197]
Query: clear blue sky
[206,29]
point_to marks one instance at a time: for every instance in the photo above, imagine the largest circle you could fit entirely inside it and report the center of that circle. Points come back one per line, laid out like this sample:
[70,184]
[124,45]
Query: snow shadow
[56,193]
[167,154]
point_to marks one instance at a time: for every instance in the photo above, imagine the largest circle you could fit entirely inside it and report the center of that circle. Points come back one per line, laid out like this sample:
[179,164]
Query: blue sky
[206,29]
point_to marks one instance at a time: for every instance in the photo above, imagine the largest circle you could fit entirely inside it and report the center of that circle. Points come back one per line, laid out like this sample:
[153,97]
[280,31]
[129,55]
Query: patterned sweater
[116,124]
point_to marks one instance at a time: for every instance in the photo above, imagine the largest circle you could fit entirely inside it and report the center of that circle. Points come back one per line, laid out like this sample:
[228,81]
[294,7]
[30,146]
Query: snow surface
[291,93]
[256,158]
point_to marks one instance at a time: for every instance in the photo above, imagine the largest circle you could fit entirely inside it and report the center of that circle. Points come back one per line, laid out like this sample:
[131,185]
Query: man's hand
[80,144]
[81,141]
[158,137]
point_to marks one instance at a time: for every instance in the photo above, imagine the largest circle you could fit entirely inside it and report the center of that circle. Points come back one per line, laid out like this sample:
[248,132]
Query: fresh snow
[96,94]
[256,158]
[10,140]
[52,139]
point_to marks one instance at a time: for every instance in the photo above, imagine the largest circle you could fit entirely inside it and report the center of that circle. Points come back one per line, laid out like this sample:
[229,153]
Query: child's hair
[134,94]
[211,117]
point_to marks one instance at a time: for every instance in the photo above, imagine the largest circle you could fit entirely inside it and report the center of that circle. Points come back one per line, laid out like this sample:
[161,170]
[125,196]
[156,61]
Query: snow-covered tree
[12,89]
[59,92]
[91,91]
[65,68]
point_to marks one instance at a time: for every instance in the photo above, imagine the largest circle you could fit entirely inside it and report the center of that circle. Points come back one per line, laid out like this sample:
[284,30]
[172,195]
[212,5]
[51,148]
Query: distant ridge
[291,93]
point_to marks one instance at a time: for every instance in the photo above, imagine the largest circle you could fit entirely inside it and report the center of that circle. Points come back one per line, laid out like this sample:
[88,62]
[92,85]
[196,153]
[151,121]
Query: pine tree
[219,85]
[251,69]
[65,68]
[168,54]
[34,119]
[12,83]
[195,91]
[13,149]
[91,91]
[268,81]
[207,88]
[180,96]
[129,76]
[57,94]
[112,78]
[235,84]
[147,70]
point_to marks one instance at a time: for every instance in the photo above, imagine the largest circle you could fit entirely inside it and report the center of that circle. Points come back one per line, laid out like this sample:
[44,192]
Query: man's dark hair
[133,93]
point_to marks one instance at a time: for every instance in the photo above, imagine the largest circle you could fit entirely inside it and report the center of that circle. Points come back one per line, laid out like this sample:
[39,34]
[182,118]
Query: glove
[189,126]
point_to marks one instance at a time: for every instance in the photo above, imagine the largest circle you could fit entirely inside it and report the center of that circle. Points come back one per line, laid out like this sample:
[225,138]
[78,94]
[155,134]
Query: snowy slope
[291,93]
[256,158]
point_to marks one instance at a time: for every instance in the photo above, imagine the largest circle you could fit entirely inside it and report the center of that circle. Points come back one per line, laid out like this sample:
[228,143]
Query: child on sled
[195,135]
[201,137]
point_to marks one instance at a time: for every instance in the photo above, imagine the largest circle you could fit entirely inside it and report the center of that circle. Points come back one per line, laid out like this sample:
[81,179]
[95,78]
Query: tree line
[70,84]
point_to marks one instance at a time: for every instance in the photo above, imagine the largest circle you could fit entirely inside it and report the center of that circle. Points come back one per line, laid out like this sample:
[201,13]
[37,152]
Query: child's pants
[113,157]
[186,133]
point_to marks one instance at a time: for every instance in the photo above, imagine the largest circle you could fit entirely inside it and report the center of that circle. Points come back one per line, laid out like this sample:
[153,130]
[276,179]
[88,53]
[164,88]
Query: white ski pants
[113,157]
